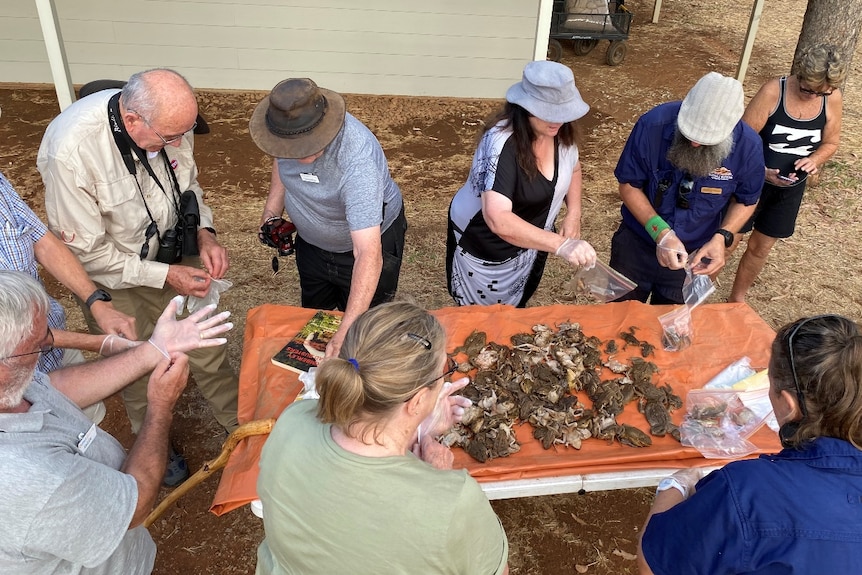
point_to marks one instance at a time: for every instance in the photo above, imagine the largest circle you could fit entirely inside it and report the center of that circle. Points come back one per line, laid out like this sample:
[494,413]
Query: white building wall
[459,48]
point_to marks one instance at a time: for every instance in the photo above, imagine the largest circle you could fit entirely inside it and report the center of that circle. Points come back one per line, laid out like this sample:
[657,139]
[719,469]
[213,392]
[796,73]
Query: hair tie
[354,363]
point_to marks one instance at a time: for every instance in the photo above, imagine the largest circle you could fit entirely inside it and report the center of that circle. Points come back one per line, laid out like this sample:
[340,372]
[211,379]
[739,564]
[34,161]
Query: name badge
[714,191]
[86,439]
[309,178]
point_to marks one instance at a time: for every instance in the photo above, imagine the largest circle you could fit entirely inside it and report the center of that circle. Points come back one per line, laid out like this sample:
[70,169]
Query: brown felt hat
[297,119]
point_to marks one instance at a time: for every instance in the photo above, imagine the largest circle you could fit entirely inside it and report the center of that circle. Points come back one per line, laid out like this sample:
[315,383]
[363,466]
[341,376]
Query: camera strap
[125,147]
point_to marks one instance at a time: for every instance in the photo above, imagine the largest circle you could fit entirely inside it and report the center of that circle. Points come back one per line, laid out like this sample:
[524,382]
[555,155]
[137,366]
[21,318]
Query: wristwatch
[672,483]
[98,295]
[728,237]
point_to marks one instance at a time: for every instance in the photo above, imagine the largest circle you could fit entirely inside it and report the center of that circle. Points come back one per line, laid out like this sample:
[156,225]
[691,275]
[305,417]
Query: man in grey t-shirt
[332,179]
[73,501]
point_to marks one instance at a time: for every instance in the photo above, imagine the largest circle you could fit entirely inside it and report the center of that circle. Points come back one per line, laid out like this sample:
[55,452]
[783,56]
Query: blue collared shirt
[21,229]
[798,511]
[643,164]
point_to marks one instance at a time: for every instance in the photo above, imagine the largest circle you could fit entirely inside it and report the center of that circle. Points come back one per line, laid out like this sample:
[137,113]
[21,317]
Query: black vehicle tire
[555,50]
[584,47]
[616,53]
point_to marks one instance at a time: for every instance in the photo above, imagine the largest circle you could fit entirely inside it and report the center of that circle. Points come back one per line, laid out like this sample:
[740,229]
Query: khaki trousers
[215,378]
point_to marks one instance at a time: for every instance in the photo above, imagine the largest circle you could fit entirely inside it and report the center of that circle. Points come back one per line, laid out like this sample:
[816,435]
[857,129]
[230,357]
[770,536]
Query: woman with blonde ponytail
[356,482]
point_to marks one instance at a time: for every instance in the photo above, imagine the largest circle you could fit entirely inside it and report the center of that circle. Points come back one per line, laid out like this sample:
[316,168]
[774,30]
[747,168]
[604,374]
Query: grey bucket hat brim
[547,90]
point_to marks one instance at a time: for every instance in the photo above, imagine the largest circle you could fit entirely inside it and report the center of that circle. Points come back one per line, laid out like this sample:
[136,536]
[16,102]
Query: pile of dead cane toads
[537,380]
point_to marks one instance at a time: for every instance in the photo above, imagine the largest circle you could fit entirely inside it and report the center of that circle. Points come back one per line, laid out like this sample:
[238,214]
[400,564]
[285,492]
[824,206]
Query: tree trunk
[833,22]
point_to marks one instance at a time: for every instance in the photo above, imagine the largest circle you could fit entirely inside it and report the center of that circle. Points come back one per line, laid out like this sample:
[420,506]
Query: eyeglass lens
[814,92]
[43,348]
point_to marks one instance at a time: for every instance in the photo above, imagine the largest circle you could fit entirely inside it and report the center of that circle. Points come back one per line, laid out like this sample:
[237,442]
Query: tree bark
[833,22]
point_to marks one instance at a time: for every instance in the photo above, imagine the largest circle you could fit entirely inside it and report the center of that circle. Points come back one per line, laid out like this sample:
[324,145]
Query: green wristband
[655,225]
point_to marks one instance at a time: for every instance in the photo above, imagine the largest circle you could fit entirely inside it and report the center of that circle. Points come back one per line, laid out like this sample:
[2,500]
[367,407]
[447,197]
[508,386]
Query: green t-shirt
[328,511]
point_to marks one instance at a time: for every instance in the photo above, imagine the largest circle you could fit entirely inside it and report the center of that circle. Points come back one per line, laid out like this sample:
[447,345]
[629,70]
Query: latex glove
[217,286]
[670,252]
[577,253]
[688,478]
[197,330]
[112,345]
[709,259]
[447,411]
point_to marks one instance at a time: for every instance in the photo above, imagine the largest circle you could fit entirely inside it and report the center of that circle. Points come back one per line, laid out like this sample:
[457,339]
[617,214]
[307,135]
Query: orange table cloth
[723,333]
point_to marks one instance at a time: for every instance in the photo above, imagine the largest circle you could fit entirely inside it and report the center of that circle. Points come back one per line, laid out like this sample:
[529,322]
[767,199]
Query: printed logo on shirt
[721,174]
[174,164]
[795,141]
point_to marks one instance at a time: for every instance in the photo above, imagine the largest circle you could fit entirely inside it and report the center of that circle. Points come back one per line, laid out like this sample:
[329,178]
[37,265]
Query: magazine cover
[303,351]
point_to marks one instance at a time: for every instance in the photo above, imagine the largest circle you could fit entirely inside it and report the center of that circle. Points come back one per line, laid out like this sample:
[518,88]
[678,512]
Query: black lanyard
[125,145]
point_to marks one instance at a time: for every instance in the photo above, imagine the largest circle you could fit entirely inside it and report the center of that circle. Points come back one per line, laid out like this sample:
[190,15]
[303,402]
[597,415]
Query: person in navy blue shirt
[798,511]
[690,176]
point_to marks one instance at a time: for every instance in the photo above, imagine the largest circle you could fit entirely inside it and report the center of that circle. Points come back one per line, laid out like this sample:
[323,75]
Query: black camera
[170,246]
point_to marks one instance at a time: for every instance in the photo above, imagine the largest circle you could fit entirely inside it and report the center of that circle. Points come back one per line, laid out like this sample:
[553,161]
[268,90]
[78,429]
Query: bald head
[162,96]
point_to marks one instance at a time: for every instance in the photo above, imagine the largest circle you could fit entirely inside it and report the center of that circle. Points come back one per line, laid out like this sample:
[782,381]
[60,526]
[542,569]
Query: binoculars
[182,240]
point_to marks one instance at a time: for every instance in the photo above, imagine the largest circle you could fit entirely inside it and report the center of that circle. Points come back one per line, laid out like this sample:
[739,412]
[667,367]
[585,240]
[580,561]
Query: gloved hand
[577,253]
[197,330]
[213,296]
[447,411]
[114,344]
[688,478]
[670,252]
[684,481]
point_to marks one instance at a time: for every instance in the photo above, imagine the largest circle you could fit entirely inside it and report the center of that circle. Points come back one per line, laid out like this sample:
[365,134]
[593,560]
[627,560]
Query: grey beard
[698,161]
[13,390]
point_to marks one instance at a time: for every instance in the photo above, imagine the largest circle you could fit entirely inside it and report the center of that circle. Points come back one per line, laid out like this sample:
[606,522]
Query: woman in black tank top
[799,119]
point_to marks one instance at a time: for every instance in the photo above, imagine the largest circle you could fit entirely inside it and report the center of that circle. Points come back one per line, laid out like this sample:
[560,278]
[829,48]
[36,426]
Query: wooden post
[753,23]
[56,52]
[655,10]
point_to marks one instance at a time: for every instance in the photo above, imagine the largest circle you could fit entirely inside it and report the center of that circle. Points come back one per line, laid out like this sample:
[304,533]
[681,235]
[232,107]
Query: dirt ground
[429,143]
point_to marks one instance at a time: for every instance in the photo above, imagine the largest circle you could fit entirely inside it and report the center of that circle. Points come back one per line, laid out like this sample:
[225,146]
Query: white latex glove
[689,478]
[577,253]
[196,331]
[114,344]
[447,411]
[217,286]
[670,252]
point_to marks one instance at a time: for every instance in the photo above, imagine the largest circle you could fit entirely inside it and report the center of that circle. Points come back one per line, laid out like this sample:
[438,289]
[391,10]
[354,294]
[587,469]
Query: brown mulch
[429,143]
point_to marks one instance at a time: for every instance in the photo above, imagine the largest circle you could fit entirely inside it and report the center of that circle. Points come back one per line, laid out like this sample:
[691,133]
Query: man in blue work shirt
[690,176]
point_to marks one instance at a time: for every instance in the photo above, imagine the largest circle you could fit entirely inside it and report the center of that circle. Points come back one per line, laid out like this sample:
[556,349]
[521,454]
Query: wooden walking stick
[258,427]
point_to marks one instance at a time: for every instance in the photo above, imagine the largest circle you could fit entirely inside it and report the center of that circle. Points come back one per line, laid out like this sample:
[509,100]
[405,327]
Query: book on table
[308,346]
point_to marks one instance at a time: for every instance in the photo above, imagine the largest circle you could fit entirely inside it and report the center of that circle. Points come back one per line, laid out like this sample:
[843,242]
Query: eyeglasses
[813,92]
[165,141]
[683,192]
[451,367]
[44,348]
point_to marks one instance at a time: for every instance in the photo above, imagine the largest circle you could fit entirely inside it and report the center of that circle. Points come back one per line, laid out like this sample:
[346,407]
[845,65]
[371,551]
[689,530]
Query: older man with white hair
[73,500]
[690,177]
[119,177]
